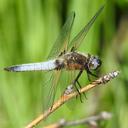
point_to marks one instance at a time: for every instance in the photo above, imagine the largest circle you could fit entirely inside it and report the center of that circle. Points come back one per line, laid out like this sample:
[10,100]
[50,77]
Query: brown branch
[102,80]
[90,121]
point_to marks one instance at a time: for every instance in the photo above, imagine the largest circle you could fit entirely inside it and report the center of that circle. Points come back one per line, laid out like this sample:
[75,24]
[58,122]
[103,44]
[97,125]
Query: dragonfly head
[94,62]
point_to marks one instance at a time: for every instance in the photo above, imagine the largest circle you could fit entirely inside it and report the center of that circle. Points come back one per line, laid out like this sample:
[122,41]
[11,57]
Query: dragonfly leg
[78,93]
[90,73]
[76,81]
[63,52]
[88,76]
[73,49]
[81,87]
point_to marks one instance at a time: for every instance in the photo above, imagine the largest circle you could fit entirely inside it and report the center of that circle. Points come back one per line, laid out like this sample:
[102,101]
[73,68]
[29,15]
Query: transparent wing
[51,88]
[58,47]
[63,38]
[75,43]
[58,78]
[66,79]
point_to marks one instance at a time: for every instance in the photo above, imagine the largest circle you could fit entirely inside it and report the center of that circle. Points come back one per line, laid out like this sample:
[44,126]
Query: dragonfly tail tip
[9,69]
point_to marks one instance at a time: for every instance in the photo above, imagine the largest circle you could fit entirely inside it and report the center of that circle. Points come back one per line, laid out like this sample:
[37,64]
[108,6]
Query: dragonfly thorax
[77,61]
[72,61]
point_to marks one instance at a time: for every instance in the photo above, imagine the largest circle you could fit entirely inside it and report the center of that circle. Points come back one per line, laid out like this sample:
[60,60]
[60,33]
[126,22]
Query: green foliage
[28,29]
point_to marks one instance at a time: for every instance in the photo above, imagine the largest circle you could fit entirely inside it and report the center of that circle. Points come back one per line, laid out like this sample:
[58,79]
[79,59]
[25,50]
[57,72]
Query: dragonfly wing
[75,43]
[51,89]
[59,78]
[63,38]
[66,79]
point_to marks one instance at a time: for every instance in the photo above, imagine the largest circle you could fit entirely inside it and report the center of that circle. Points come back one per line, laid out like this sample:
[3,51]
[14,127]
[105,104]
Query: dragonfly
[64,54]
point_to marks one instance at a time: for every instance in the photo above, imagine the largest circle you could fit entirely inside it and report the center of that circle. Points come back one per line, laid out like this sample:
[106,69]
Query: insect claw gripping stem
[76,81]
[80,88]
[77,91]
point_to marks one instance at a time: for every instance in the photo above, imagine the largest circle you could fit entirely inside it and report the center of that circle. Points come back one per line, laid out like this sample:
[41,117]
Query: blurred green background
[28,29]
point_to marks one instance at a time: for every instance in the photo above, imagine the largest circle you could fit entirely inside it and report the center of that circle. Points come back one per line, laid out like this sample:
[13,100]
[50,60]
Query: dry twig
[102,80]
[90,121]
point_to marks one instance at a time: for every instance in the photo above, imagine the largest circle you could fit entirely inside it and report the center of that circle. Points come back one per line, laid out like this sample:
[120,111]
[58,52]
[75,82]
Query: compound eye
[94,63]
